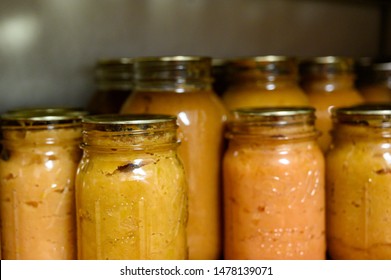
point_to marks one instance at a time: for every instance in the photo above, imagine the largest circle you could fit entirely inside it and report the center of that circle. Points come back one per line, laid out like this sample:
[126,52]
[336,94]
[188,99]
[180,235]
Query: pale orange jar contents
[329,82]
[131,193]
[39,157]
[274,196]
[262,81]
[358,183]
[181,86]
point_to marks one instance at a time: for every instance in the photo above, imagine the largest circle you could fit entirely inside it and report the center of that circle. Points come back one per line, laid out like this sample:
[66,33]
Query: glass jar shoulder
[254,96]
[366,153]
[340,97]
[274,158]
[174,102]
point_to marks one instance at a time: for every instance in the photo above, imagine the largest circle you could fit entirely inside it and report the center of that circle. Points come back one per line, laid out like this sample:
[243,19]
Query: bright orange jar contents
[182,86]
[274,186]
[358,178]
[328,82]
[263,81]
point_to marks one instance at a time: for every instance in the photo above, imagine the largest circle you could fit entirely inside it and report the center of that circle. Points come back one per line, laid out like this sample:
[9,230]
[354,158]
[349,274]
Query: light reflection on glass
[284,161]
[387,157]
[183,117]
[330,87]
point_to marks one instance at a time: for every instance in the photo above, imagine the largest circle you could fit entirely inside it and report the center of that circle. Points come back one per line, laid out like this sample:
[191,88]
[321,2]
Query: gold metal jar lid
[374,114]
[269,64]
[273,116]
[326,65]
[174,59]
[382,66]
[178,70]
[114,73]
[273,111]
[115,61]
[134,123]
[279,123]
[42,116]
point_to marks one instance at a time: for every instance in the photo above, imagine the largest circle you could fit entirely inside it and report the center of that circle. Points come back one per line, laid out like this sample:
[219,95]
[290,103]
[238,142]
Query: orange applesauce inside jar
[131,192]
[39,157]
[181,86]
[358,183]
[329,82]
[263,81]
[274,194]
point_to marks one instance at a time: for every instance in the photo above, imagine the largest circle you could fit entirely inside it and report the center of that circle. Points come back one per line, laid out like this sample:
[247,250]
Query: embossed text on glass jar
[274,186]
[131,193]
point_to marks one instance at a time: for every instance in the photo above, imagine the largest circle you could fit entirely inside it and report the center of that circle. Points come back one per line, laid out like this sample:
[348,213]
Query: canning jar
[274,194]
[113,83]
[377,89]
[181,86]
[39,156]
[358,183]
[263,81]
[329,81]
[131,193]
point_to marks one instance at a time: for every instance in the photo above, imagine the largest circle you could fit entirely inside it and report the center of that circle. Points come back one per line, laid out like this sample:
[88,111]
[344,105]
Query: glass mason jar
[131,193]
[378,87]
[114,83]
[263,81]
[358,183]
[329,82]
[39,156]
[274,193]
[181,86]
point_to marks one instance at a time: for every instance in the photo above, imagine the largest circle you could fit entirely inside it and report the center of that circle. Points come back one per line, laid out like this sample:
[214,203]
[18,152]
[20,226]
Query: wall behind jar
[48,47]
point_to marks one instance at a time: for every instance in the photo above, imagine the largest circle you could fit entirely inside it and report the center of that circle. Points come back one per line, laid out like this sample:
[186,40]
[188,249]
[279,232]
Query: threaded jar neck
[374,115]
[114,74]
[41,126]
[129,132]
[326,66]
[274,123]
[176,73]
[267,68]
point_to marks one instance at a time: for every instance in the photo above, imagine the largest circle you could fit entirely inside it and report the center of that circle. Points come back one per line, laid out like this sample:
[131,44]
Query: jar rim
[128,119]
[273,111]
[109,61]
[373,109]
[382,66]
[328,59]
[177,58]
[264,58]
[42,116]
